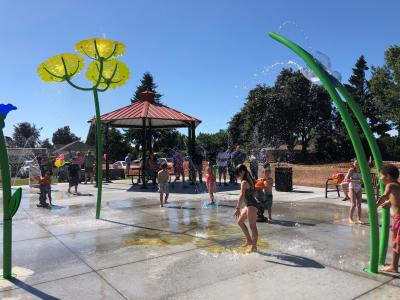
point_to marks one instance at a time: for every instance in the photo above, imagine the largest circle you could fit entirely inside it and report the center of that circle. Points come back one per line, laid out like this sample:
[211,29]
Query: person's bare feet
[246,244]
[161,205]
[359,222]
[390,269]
[351,221]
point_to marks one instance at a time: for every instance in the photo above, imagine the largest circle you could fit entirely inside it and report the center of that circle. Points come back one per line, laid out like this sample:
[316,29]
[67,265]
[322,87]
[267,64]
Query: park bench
[331,185]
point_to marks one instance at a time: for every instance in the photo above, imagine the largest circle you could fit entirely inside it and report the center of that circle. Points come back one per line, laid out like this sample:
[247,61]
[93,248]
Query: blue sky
[204,55]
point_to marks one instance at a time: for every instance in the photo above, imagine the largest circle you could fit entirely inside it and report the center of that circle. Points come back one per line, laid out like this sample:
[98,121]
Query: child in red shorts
[389,175]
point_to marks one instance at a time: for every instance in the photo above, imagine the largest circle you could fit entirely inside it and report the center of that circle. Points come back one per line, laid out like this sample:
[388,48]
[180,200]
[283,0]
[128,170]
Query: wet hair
[247,176]
[390,170]
[164,165]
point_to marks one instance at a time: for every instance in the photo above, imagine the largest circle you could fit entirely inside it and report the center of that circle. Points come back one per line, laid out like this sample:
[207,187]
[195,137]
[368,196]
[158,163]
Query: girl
[247,191]
[353,177]
[211,182]
[178,167]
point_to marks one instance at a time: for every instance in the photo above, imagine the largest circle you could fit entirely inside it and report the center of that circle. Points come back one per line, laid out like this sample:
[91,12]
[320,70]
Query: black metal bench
[331,186]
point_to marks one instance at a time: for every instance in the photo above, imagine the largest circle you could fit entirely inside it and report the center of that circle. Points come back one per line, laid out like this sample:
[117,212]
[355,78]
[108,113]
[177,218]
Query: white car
[121,164]
[24,171]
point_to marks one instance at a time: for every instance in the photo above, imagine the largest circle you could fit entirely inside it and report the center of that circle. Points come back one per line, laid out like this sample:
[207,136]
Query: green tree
[46,144]
[302,108]
[118,147]
[146,83]
[237,134]
[63,136]
[359,87]
[26,135]
[212,142]
[91,136]
[385,86]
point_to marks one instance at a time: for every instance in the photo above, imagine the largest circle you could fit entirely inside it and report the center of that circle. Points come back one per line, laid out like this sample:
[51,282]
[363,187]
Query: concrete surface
[188,250]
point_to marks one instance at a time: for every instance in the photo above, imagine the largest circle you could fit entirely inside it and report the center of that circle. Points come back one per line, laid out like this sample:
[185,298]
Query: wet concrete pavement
[188,250]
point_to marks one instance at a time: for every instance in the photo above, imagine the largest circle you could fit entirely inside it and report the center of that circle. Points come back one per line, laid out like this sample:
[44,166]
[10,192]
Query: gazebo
[148,116]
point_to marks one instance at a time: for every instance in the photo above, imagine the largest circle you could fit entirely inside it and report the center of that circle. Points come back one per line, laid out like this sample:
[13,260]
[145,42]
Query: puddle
[211,236]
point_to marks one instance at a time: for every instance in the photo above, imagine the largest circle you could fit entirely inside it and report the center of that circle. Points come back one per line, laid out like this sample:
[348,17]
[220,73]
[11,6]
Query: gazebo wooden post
[150,137]
[107,149]
[192,171]
[144,142]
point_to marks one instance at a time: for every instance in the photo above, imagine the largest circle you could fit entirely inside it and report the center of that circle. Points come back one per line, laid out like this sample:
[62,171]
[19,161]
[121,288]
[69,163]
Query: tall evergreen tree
[146,83]
[359,87]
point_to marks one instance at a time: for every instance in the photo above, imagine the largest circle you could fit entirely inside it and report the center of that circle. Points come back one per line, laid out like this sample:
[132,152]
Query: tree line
[296,112]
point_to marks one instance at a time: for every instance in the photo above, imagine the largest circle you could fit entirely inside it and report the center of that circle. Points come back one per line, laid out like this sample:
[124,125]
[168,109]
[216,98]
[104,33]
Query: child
[211,181]
[259,186]
[163,185]
[74,171]
[45,190]
[354,178]
[389,175]
[247,190]
[179,168]
[266,199]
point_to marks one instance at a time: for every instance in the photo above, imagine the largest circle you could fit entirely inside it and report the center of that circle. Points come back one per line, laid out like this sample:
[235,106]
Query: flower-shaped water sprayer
[10,201]
[104,72]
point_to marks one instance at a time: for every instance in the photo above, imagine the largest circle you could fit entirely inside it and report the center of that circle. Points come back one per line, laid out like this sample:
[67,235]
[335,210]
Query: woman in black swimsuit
[247,191]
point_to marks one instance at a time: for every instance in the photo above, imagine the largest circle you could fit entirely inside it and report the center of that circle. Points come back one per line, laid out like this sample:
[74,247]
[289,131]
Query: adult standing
[198,165]
[128,161]
[80,162]
[238,158]
[231,168]
[152,168]
[222,163]
[45,166]
[254,164]
[89,164]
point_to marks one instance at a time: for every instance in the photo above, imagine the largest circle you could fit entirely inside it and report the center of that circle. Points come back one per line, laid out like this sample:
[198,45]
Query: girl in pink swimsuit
[354,178]
[211,183]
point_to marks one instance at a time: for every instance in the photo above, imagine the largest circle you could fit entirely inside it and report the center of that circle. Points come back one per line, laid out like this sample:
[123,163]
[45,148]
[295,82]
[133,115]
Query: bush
[390,147]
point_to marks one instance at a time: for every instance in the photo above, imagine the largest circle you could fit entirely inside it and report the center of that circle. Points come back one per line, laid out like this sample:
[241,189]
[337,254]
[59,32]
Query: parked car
[120,164]
[24,171]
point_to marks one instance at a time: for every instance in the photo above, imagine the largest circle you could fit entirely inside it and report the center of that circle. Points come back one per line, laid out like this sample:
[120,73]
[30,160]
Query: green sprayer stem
[326,80]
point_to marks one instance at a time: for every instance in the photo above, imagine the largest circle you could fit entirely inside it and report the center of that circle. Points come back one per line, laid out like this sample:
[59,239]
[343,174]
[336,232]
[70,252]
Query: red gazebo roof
[154,115]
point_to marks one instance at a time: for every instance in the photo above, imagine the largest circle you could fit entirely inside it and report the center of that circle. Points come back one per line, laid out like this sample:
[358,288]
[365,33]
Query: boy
[163,185]
[389,175]
[74,171]
[45,190]
[265,196]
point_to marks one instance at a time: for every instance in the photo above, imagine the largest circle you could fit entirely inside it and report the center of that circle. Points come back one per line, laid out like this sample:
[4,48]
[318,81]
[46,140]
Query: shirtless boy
[391,198]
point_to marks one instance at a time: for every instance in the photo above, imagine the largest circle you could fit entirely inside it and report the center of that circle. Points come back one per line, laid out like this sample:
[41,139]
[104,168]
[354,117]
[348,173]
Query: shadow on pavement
[290,223]
[32,290]
[293,261]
